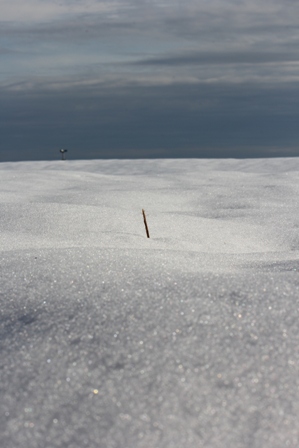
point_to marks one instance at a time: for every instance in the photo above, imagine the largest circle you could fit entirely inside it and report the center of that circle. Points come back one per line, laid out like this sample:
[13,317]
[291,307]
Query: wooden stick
[145,223]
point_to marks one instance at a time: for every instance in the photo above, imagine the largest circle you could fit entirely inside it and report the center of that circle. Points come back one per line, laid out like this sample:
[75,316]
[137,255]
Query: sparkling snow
[188,339]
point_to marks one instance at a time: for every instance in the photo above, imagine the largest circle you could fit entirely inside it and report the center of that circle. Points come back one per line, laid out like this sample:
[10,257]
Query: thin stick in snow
[145,223]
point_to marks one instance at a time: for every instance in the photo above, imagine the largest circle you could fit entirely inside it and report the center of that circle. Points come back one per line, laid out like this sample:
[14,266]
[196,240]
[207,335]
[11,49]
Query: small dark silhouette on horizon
[63,151]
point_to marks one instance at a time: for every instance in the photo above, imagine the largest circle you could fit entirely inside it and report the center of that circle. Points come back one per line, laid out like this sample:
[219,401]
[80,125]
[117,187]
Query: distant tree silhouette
[63,151]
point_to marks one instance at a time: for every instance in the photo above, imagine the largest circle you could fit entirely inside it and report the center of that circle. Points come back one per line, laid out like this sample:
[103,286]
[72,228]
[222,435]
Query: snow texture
[188,339]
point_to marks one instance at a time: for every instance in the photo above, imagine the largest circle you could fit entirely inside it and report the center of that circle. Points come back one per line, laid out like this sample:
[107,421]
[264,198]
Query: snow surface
[188,339]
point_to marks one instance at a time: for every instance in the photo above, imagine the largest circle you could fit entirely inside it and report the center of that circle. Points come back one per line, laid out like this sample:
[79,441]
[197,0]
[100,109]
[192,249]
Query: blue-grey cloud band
[195,120]
[237,57]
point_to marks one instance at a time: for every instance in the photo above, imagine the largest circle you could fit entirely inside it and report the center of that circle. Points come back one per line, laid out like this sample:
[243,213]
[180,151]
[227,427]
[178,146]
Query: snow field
[186,339]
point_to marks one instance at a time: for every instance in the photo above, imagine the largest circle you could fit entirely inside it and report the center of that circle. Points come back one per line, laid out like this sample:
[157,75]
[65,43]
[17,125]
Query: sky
[149,79]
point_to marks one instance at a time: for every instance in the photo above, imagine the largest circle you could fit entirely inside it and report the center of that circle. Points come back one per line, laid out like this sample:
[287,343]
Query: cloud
[228,57]
[154,32]
[43,11]
[5,51]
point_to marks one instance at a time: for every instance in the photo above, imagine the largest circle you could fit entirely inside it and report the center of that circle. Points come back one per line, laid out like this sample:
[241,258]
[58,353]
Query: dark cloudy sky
[149,78]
